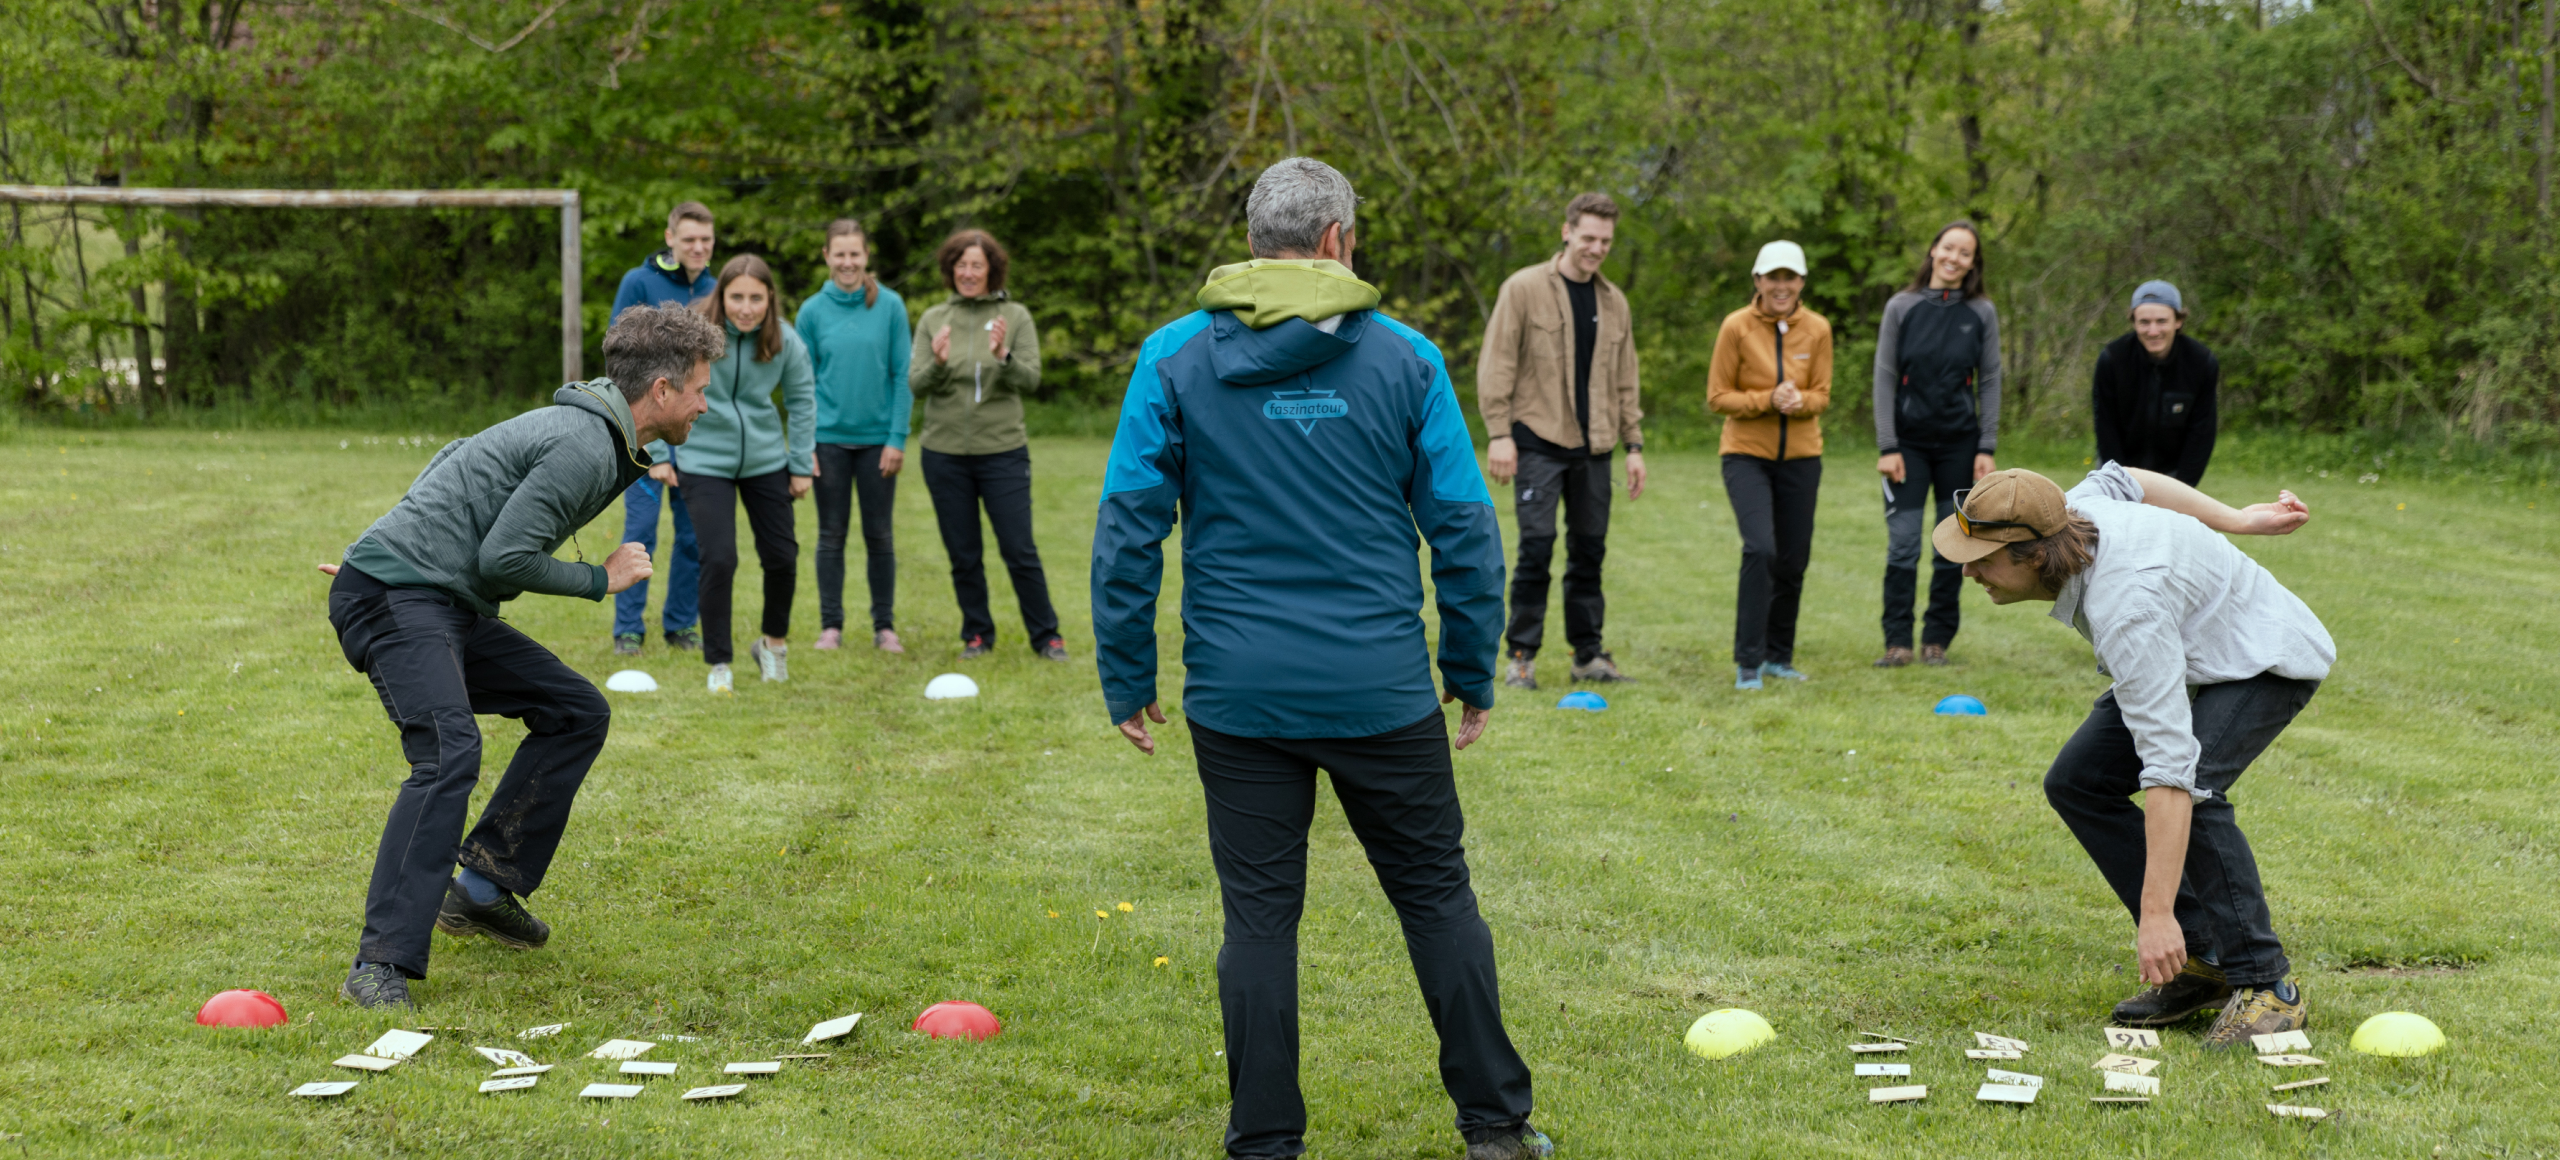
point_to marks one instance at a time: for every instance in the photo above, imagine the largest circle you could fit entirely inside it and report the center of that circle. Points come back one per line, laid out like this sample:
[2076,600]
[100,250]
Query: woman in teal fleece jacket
[856,332]
[743,452]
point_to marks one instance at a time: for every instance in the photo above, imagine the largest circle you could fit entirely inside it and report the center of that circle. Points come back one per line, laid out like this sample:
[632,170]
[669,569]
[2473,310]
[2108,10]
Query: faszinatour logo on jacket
[1304,408]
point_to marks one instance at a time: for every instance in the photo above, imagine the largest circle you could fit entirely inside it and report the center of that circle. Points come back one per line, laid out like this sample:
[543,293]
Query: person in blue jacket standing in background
[856,332]
[678,275]
[1304,438]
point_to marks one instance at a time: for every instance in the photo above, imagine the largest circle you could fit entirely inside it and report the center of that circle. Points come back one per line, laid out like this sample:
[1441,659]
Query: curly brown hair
[2059,557]
[957,244]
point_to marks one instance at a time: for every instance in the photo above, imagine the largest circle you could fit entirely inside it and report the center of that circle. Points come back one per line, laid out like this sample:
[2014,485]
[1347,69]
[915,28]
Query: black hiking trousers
[1773,502]
[435,665]
[1400,794]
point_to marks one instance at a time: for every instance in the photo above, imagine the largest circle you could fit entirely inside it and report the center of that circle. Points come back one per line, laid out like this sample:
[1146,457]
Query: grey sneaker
[1526,1144]
[627,644]
[689,639]
[1055,650]
[975,647]
[374,986]
[1521,672]
[721,681]
[774,663]
[1602,668]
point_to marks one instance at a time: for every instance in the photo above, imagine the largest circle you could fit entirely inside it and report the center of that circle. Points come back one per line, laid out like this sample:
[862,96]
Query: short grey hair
[1292,203]
[649,343]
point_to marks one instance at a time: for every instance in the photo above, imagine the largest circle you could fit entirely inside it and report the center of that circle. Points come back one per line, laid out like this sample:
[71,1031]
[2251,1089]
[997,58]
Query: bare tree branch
[2405,66]
[466,33]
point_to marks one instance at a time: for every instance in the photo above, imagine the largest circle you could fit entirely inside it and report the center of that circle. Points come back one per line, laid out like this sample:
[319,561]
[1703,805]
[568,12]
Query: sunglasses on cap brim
[1970,526]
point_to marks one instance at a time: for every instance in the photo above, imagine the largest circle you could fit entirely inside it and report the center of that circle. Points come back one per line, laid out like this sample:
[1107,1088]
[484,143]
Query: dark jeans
[1400,795]
[684,564]
[714,502]
[1773,508]
[1002,482]
[1945,470]
[1582,482]
[2221,905]
[435,665]
[846,476]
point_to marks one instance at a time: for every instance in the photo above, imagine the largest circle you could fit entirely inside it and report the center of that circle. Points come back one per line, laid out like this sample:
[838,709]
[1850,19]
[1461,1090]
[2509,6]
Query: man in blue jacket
[681,275]
[1304,438]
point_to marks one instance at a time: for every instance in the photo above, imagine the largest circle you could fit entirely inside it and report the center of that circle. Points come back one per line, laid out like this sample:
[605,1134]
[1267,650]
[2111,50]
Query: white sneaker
[720,679]
[774,663]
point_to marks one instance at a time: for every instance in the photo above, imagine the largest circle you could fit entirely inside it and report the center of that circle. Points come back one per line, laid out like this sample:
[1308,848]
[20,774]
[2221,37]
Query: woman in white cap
[1937,406]
[2153,398]
[1770,377]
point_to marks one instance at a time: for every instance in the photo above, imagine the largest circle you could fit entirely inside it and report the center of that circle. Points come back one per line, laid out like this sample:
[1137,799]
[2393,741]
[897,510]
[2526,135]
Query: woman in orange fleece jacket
[1770,377]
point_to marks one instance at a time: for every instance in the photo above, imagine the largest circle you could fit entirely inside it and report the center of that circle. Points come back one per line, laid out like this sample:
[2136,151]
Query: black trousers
[1001,482]
[435,665]
[1582,482]
[2222,905]
[847,475]
[1773,503]
[1401,797]
[1946,471]
[713,502]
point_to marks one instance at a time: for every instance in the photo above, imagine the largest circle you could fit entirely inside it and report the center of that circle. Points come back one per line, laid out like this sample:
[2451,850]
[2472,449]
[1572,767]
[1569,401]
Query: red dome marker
[242,1009]
[958,1019]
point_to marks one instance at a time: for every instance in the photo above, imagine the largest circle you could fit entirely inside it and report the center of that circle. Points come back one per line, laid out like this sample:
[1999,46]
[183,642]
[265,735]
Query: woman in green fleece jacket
[742,452]
[977,354]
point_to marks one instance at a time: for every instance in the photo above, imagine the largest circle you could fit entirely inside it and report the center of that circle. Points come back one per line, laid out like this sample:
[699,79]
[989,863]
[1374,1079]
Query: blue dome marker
[1582,699]
[1961,705]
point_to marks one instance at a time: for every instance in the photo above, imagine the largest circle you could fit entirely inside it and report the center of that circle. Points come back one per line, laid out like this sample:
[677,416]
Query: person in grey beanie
[2152,401]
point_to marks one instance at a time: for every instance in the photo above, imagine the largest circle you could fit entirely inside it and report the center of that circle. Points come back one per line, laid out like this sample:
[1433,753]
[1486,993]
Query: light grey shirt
[2169,604]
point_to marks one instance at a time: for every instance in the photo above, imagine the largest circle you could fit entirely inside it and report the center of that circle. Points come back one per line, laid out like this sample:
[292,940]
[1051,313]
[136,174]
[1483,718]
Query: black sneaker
[975,647]
[689,639]
[2199,987]
[627,644]
[1055,650]
[505,921]
[376,985]
[1522,1143]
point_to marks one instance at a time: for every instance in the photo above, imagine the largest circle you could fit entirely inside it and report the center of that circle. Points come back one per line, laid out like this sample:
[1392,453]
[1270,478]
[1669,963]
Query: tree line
[2356,198]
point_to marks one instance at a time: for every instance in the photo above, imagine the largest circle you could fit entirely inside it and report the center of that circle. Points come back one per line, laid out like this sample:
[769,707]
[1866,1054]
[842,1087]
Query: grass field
[192,783]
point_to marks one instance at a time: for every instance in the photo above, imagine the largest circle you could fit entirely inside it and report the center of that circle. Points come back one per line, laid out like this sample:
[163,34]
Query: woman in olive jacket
[978,353]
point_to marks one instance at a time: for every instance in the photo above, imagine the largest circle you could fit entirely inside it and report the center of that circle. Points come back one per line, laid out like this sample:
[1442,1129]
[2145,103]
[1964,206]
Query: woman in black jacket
[1937,403]
[2152,400]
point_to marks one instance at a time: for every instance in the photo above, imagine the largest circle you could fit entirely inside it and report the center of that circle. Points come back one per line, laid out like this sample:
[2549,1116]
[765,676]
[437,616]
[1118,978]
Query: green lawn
[192,782]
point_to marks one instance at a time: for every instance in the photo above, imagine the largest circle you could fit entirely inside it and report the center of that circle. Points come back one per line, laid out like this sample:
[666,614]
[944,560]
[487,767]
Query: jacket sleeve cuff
[596,590]
[1122,709]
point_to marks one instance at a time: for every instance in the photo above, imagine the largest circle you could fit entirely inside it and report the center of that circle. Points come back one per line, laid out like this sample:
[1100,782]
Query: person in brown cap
[2211,659]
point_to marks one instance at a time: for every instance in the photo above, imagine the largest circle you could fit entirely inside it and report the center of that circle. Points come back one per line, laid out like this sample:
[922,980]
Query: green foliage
[2354,198]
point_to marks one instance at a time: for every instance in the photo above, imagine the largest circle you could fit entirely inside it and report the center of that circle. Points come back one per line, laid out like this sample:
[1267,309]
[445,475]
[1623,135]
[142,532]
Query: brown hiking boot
[2257,1011]
[1894,658]
[1521,672]
[1933,654]
[2199,987]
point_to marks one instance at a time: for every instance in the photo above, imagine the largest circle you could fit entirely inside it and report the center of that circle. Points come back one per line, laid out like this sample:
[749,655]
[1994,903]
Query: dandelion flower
[1053,914]
[1125,908]
[1102,914]
[1163,961]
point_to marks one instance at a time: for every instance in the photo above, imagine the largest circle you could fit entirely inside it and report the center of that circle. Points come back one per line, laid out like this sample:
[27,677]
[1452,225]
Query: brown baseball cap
[2003,508]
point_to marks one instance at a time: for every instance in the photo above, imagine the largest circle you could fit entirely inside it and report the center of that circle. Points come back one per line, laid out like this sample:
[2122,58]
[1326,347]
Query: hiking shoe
[506,921]
[975,647]
[1055,650]
[1933,654]
[720,680]
[2258,1011]
[773,663]
[627,644]
[1525,1144]
[886,640]
[685,638]
[1601,668]
[1747,678]
[1894,657]
[1521,672]
[1781,670]
[374,986]
[831,639]
[2198,987]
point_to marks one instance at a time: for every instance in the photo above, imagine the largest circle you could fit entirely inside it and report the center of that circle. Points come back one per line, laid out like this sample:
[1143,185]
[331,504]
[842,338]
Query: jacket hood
[841,296]
[1243,356]
[1268,291]
[602,397]
[975,299]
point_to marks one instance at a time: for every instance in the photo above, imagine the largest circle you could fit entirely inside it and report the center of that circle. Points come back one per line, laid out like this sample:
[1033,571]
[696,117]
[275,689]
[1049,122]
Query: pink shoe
[831,639]
[886,640]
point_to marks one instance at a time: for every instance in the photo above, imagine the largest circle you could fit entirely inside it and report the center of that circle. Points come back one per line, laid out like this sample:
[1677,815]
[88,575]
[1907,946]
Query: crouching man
[2211,658]
[416,603]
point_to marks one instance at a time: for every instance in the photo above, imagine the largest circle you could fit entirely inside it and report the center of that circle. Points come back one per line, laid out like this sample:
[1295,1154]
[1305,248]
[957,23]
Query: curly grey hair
[1291,204]
[649,343]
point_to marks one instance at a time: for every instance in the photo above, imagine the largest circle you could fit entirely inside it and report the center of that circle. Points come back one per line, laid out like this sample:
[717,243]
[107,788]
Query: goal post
[572,335]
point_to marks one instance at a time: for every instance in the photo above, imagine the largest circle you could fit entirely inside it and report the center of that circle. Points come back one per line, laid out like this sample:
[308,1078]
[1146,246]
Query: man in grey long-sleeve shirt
[2211,659]
[416,603]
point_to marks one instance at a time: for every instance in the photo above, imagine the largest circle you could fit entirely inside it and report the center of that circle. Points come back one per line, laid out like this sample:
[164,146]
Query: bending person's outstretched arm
[2258,519]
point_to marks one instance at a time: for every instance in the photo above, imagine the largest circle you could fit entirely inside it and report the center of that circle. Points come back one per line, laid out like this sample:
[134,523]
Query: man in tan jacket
[1557,384]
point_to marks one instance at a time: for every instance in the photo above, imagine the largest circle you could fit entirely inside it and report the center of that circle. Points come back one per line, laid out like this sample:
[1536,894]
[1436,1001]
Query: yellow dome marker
[1730,1032]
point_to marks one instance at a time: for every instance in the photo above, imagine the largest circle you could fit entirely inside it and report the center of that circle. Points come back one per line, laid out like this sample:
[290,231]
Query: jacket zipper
[1779,331]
